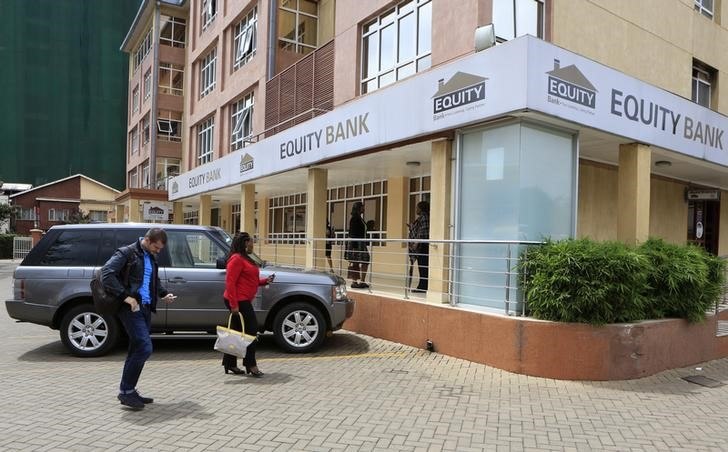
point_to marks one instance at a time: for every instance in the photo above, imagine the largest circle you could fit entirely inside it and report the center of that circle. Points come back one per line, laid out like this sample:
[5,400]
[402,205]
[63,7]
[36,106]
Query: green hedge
[6,246]
[610,282]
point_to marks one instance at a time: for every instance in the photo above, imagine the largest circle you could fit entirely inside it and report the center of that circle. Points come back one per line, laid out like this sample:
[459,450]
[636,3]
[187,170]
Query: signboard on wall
[155,211]
[702,195]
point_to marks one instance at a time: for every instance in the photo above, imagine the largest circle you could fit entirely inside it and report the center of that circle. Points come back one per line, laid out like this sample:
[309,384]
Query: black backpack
[104,302]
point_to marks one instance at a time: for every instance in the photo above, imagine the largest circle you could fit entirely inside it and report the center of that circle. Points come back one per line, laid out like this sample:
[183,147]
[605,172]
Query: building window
[58,214]
[191,217]
[135,99]
[134,140]
[145,129]
[244,39]
[173,32]
[98,216]
[372,194]
[134,178]
[205,141]
[145,175]
[24,213]
[287,218]
[166,169]
[169,125]
[147,84]
[171,79]
[703,81]
[419,190]
[208,12]
[705,7]
[241,122]
[298,26]
[142,50]
[207,73]
[396,44]
[517,18]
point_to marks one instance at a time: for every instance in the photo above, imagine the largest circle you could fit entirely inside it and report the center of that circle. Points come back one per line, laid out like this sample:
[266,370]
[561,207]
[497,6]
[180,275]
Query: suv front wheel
[86,333]
[299,328]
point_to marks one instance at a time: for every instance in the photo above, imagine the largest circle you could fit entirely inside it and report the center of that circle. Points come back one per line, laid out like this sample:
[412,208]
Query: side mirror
[221,263]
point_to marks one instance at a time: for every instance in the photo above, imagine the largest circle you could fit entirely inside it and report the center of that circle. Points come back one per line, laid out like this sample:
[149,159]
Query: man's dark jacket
[114,267]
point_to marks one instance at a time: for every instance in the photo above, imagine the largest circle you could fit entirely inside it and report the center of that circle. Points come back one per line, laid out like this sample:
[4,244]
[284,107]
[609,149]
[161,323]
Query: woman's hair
[356,208]
[238,245]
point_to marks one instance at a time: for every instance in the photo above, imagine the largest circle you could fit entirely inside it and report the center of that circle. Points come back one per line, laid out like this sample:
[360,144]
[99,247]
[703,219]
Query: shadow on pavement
[165,412]
[171,348]
[270,378]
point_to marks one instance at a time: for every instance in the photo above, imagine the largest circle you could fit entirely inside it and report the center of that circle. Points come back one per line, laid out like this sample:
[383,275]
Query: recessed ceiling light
[413,163]
[663,163]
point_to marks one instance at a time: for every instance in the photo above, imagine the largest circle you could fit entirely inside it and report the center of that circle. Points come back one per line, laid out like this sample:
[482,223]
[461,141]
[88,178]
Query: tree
[78,216]
[5,212]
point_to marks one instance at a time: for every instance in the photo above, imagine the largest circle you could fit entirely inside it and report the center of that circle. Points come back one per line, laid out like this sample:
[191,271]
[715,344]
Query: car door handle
[177,280]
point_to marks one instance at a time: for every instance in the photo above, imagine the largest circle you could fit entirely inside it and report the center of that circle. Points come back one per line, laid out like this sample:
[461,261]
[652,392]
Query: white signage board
[155,211]
[525,73]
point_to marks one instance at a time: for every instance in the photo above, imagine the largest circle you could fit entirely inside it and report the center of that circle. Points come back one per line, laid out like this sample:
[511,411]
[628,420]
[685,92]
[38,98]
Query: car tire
[299,328]
[85,333]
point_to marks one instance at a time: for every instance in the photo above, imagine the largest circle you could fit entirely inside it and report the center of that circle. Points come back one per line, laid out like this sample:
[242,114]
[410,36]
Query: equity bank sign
[457,94]
[569,84]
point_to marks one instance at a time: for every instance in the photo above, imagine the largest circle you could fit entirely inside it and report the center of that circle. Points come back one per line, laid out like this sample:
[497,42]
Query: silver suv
[51,287]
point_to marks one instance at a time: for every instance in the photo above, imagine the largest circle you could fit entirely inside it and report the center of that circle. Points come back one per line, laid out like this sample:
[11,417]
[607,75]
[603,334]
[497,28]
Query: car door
[191,274]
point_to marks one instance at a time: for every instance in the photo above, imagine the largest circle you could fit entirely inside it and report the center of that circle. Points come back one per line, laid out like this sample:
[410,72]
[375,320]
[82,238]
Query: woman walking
[241,284]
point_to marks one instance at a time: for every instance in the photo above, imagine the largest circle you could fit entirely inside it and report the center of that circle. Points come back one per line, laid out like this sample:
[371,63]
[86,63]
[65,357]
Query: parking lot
[357,393]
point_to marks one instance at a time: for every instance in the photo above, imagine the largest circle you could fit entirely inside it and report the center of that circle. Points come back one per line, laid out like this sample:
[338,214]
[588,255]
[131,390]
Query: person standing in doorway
[420,251]
[242,280]
[357,253]
[329,235]
[140,292]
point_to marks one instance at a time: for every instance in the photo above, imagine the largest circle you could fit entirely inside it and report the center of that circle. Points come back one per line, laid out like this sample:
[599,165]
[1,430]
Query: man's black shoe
[131,400]
[145,400]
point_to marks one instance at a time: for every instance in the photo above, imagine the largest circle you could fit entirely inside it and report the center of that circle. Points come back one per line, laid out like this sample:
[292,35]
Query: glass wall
[517,182]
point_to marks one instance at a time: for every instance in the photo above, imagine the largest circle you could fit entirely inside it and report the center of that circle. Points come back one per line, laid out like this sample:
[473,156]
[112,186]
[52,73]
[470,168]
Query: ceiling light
[413,163]
[663,163]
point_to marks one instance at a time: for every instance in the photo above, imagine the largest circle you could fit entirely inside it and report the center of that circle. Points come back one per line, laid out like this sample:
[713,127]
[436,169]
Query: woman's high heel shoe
[235,370]
[254,372]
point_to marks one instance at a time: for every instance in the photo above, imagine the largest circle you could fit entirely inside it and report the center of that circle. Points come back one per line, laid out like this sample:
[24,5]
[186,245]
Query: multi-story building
[64,86]
[515,120]
[156,44]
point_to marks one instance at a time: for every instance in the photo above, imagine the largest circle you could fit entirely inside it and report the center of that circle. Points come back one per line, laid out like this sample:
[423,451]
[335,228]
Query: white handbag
[231,341]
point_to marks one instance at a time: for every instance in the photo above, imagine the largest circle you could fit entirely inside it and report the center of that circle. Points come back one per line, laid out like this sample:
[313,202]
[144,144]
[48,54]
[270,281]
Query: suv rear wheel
[299,328]
[86,333]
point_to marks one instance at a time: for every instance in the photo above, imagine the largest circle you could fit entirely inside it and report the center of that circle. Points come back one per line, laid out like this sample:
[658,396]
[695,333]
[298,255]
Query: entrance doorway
[703,219]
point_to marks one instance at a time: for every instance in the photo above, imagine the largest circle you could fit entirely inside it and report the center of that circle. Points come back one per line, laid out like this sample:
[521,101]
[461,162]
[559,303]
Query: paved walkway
[358,393]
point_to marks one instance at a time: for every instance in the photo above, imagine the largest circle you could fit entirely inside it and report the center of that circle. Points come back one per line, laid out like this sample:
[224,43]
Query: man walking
[131,274]
[420,251]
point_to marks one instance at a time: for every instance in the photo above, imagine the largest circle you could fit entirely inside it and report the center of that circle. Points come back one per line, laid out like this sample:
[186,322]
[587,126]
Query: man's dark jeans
[423,262]
[137,326]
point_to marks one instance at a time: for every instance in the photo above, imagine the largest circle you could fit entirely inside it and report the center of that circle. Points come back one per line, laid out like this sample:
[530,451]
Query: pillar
[135,215]
[633,199]
[119,213]
[440,181]
[247,208]
[178,212]
[226,216]
[316,218]
[204,213]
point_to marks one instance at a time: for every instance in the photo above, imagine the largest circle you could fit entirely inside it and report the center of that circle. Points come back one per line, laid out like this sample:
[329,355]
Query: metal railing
[21,247]
[482,274]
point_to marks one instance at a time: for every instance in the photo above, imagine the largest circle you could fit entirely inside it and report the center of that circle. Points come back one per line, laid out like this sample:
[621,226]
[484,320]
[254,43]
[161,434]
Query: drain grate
[703,381]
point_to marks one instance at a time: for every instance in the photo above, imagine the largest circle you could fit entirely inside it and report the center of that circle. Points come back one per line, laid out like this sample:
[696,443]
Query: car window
[193,249]
[126,237]
[73,248]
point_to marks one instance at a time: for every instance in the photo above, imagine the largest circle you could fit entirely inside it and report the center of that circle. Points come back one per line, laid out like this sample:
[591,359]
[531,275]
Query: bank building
[515,120]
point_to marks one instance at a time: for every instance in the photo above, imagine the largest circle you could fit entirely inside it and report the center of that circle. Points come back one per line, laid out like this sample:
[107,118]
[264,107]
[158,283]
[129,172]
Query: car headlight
[338,293]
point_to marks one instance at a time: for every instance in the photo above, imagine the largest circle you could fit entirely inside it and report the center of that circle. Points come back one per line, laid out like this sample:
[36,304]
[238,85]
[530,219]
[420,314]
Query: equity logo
[570,84]
[462,89]
[246,163]
[175,187]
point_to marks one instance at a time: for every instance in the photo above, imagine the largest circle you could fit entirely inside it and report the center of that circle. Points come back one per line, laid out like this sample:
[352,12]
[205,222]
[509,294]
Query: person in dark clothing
[357,253]
[419,251]
[140,295]
[242,280]
[329,235]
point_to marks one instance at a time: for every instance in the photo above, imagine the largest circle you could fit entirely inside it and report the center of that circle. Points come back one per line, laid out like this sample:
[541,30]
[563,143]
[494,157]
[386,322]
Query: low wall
[569,351]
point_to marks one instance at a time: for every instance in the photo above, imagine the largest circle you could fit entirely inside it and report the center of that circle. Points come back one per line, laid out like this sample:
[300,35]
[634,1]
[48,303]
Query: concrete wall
[653,40]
